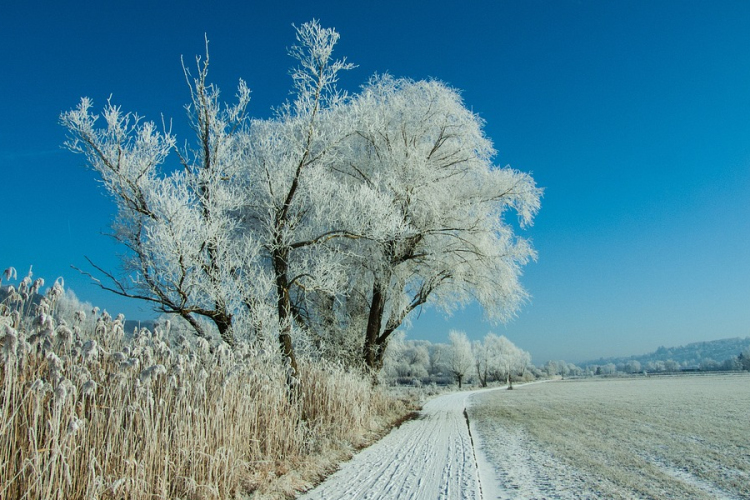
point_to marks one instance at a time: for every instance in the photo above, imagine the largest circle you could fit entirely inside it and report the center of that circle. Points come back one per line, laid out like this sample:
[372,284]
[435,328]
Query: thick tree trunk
[284,305]
[224,324]
[381,344]
[372,356]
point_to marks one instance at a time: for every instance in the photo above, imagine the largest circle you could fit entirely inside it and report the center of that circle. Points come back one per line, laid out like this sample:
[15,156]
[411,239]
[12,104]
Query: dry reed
[90,414]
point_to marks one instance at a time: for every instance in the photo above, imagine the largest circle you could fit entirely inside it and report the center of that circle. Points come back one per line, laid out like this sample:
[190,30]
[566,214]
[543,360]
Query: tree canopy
[324,226]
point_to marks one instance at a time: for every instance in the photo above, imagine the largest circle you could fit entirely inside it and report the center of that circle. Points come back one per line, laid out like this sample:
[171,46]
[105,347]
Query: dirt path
[428,458]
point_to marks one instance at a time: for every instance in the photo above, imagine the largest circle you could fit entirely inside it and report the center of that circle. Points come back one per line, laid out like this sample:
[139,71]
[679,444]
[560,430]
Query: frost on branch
[445,242]
[322,228]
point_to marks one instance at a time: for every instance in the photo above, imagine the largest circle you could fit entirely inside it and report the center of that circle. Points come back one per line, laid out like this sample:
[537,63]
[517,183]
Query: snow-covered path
[428,458]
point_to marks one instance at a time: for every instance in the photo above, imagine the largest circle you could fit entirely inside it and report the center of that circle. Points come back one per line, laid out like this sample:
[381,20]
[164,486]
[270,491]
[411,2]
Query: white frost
[428,458]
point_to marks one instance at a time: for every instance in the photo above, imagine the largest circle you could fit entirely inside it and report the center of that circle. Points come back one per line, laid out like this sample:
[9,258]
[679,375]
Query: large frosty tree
[446,240]
[325,225]
[295,206]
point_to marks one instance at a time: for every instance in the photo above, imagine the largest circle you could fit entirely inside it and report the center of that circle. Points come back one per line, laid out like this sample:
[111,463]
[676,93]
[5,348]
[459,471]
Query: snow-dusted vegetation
[91,411]
[494,359]
[731,354]
[322,228]
[285,253]
[677,437]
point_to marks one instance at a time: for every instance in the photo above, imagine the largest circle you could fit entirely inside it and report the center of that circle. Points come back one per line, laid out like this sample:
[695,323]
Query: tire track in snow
[428,458]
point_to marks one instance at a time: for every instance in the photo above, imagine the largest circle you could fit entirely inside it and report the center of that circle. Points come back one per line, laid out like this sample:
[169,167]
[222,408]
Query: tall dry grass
[88,412]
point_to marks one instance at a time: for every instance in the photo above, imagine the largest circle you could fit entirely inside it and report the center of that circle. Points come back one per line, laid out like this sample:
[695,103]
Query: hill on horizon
[688,356]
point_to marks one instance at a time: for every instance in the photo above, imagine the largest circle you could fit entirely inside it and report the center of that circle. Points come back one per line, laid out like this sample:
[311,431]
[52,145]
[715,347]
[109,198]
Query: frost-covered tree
[443,238]
[241,225]
[460,359]
[574,370]
[179,225]
[295,205]
[407,359]
[744,359]
[562,368]
[671,365]
[553,368]
[732,364]
[325,225]
[633,366]
[481,362]
[505,358]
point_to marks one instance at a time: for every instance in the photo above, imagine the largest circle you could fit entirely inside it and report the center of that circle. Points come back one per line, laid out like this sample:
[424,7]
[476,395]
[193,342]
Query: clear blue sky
[633,115]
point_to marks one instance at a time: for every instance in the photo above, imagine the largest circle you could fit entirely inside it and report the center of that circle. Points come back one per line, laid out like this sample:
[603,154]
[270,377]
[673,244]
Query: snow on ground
[428,458]
[518,469]
[439,456]
[638,438]
[644,437]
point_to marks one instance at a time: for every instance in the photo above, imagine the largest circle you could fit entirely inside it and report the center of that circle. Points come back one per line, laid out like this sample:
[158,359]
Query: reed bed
[90,413]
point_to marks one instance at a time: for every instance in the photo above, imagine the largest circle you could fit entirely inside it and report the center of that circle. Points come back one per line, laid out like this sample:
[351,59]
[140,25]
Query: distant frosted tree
[438,355]
[505,358]
[574,370]
[551,368]
[732,364]
[671,365]
[562,368]
[460,359]
[709,364]
[633,366]
[609,369]
[744,359]
[408,359]
[481,361]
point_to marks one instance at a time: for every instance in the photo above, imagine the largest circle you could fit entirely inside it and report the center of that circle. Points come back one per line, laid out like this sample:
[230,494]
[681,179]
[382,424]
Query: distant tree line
[495,359]
[718,355]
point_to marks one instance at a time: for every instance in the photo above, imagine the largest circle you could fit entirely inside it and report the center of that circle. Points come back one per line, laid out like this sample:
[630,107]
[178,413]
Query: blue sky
[633,115]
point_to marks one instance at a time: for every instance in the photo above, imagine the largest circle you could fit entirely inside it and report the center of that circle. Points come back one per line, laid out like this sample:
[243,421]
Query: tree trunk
[194,323]
[284,306]
[372,356]
[224,324]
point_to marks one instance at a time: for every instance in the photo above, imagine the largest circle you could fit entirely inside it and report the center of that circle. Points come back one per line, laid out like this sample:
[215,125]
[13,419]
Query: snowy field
[685,437]
[651,437]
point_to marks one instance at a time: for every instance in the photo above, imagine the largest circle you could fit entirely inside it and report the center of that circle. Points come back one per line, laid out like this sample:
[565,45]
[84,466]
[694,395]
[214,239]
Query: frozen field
[651,437]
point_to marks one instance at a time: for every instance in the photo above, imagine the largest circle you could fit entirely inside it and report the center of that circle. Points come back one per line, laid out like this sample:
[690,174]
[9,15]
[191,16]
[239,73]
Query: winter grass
[656,437]
[89,413]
